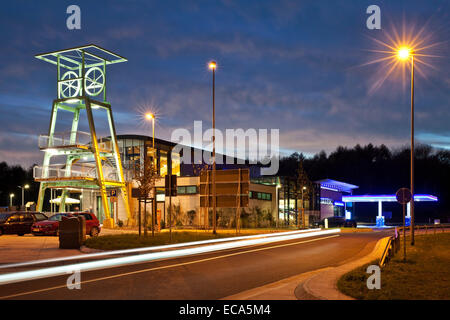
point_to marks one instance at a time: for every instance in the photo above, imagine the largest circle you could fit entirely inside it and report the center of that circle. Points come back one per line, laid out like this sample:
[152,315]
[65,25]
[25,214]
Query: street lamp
[405,53]
[23,188]
[213,66]
[11,196]
[151,116]
[303,208]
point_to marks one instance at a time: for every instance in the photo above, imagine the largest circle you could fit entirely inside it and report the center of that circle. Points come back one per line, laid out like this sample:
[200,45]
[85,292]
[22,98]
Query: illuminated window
[176,163]
[163,163]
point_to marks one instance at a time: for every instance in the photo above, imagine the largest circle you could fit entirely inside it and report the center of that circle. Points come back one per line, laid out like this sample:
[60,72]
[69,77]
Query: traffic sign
[170,183]
[403,195]
[232,188]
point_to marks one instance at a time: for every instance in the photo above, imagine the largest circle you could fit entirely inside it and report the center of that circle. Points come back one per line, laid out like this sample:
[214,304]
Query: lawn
[128,241]
[424,275]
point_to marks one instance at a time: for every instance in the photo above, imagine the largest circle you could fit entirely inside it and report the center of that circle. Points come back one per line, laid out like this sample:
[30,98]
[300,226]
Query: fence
[77,170]
[393,244]
[427,228]
[392,247]
[72,139]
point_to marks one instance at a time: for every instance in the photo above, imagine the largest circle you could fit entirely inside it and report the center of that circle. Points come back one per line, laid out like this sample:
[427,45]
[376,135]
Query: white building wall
[182,204]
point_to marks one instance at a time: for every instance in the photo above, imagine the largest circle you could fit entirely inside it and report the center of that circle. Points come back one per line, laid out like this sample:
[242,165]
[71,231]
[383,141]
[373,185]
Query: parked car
[49,226]
[19,222]
[350,223]
[92,223]
[337,222]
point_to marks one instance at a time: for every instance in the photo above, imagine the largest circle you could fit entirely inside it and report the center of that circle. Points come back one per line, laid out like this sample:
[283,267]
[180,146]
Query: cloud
[287,65]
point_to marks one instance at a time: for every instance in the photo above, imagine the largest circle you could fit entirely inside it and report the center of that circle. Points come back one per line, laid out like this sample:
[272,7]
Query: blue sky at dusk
[297,66]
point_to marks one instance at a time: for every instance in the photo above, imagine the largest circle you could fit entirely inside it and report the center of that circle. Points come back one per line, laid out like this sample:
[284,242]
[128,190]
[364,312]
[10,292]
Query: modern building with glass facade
[134,149]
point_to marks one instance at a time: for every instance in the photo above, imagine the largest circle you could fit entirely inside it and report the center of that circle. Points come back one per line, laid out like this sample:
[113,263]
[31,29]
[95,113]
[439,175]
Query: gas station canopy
[386,198]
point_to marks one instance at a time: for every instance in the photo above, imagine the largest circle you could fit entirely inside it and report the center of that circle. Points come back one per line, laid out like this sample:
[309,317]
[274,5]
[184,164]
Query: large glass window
[176,162]
[163,163]
[132,152]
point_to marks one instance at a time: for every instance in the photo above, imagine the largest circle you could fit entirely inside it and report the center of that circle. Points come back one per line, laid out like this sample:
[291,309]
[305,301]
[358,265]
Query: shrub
[191,215]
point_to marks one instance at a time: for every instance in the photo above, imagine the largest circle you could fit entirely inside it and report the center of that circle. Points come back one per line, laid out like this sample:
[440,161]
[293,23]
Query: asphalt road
[205,276]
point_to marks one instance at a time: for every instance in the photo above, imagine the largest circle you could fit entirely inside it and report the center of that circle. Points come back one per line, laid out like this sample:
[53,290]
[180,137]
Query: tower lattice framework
[91,162]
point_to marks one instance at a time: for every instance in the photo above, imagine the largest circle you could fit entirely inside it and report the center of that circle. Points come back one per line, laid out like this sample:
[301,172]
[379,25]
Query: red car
[92,223]
[51,226]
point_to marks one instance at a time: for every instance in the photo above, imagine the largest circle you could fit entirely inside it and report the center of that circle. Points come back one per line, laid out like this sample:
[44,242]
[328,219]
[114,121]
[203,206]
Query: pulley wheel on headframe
[94,81]
[70,84]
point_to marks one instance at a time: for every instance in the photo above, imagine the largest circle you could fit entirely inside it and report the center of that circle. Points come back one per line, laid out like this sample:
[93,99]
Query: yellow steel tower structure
[90,162]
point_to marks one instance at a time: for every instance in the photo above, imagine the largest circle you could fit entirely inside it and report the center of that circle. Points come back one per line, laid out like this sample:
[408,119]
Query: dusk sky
[297,66]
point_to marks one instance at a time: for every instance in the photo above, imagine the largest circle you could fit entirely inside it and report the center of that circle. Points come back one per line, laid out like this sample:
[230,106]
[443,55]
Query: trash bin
[69,233]
[82,228]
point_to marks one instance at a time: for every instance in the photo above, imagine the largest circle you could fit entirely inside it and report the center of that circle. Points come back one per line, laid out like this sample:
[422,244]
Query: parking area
[14,249]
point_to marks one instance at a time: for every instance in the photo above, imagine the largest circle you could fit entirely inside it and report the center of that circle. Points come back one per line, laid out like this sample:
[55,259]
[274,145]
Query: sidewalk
[16,249]
[323,285]
[280,290]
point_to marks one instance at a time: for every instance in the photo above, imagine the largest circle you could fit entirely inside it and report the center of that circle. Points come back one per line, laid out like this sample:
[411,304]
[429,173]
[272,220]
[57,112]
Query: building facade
[134,149]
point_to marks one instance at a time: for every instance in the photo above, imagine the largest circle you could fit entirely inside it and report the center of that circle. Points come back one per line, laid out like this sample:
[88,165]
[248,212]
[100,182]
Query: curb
[280,290]
[84,249]
[323,286]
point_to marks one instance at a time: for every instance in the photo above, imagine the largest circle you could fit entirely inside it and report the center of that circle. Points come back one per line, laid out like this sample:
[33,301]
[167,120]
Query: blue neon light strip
[386,198]
[329,188]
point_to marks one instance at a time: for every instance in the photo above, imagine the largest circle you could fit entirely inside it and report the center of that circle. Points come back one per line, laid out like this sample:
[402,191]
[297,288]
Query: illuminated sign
[326,201]
[386,198]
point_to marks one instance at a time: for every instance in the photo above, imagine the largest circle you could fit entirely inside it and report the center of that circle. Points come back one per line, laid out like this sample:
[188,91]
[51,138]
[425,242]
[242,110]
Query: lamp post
[213,66]
[404,53]
[303,208]
[23,193]
[11,196]
[151,116]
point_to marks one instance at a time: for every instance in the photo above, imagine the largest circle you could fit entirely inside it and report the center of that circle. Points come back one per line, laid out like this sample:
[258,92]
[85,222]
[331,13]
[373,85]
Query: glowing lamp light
[150,116]
[212,65]
[404,53]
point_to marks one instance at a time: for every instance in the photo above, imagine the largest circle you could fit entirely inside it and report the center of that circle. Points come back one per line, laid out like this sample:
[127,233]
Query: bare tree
[145,175]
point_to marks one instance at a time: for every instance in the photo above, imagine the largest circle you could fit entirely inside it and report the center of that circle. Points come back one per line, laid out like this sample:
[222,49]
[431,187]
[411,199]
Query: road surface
[204,276]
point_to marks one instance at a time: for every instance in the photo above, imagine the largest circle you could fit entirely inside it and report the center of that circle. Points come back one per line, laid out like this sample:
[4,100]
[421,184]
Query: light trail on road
[122,261]
[165,267]
[154,248]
